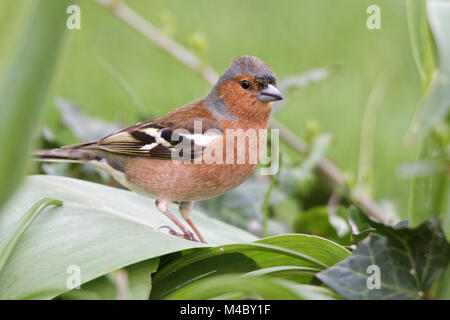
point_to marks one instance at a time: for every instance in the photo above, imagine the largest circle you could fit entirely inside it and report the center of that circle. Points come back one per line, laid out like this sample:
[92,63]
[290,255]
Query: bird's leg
[173,232]
[185,209]
[162,206]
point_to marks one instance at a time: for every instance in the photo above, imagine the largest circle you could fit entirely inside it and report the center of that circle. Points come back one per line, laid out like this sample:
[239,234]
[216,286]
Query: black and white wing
[151,139]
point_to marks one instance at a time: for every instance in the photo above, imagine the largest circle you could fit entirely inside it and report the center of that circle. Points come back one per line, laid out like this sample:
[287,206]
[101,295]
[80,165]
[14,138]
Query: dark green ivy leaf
[408,260]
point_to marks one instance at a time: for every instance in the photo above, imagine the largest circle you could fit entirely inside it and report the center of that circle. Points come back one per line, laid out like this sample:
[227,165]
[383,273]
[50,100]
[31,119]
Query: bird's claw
[188,235]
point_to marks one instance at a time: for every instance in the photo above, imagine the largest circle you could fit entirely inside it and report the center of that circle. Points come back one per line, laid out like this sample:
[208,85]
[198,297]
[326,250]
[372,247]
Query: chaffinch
[160,157]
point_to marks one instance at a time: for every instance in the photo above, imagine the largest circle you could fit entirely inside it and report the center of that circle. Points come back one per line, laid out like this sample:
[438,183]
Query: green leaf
[254,250]
[322,250]
[421,40]
[446,212]
[140,280]
[137,278]
[278,250]
[444,288]
[216,265]
[99,228]
[292,273]
[430,193]
[409,261]
[436,102]
[251,287]
[8,243]
[24,88]
[300,252]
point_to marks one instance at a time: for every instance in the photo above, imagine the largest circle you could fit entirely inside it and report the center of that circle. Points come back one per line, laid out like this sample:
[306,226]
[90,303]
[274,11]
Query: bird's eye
[245,84]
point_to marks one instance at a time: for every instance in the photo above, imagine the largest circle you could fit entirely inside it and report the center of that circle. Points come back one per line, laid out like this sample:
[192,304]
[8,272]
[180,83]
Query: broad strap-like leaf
[264,287]
[99,229]
[132,282]
[295,257]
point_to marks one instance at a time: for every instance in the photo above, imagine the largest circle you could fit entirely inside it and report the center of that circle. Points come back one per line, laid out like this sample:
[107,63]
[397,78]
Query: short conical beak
[270,94]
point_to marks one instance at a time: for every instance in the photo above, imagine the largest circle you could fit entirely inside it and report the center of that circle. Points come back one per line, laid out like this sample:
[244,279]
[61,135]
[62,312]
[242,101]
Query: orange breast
[175,181]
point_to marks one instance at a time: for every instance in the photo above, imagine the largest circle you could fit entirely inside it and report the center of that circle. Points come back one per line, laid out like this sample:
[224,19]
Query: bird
[187,155]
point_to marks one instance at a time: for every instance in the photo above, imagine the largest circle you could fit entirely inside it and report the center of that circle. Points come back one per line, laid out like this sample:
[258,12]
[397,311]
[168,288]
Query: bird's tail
[72,153]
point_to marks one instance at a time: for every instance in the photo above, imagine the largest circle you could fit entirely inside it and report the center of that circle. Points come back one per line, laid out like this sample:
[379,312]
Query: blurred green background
[290,36]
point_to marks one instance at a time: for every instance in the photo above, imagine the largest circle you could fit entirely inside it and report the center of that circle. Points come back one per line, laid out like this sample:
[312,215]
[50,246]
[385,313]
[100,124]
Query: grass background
[290,36]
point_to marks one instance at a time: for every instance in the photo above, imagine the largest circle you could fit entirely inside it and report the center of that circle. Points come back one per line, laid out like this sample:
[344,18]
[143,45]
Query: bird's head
[247,88]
